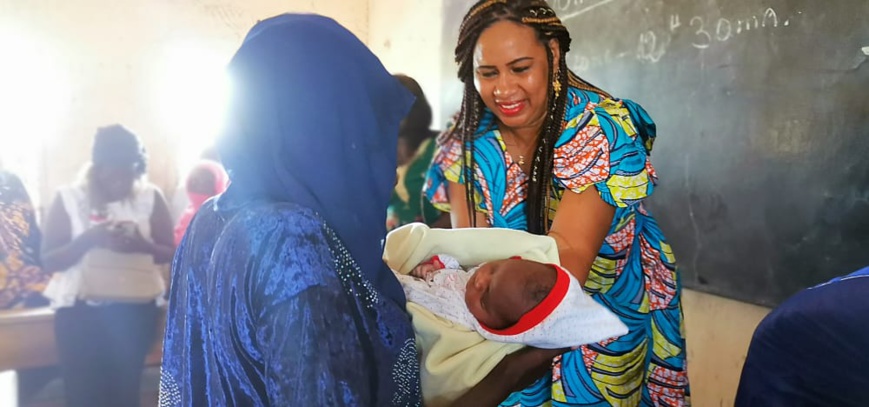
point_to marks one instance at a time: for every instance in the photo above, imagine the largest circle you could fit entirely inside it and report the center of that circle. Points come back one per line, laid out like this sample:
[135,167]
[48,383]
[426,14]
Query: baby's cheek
[474,307]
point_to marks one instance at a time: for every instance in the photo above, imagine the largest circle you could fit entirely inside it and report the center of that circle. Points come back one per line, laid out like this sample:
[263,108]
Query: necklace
[521,157]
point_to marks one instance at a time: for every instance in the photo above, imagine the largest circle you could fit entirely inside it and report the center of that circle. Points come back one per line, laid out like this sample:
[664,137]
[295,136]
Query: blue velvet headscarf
[313,119]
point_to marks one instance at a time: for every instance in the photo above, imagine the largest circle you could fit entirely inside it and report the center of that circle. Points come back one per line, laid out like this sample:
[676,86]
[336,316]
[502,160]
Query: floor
[52,394]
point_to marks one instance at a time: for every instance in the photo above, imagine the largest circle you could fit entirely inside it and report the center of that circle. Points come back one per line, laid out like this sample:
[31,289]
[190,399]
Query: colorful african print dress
[21,277]
[634,273]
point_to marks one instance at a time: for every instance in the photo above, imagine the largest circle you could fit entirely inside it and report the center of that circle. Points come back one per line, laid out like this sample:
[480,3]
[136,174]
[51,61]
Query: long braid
[538,15]
[579,83]
[537,202]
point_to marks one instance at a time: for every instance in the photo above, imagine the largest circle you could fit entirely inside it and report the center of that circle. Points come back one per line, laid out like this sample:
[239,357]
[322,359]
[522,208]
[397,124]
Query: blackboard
[763,129]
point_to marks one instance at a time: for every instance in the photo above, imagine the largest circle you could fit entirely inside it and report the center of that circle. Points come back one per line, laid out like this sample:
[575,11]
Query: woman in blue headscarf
[279,294]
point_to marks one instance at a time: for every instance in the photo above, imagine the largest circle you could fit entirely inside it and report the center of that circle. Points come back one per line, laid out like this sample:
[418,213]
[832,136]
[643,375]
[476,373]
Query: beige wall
[112,53]
[718,331]
[406,36]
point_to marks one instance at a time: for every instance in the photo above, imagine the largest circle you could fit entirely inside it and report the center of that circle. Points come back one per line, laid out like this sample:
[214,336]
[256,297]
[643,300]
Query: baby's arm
[427,269]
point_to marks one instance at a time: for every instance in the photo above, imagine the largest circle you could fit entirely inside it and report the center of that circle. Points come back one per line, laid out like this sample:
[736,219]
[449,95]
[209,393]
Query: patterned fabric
[444,295]
[21,276]
[605,144]
[407,204]
[268,308]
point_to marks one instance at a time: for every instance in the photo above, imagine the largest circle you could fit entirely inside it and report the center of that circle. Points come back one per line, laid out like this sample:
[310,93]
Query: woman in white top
[102,239]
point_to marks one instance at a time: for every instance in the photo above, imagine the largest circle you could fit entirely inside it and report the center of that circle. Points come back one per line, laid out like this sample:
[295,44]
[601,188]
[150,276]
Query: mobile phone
[125,228]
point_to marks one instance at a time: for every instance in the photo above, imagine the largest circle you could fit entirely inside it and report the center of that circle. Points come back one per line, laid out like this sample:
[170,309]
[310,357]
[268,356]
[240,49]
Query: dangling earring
[556,87]
[556,84]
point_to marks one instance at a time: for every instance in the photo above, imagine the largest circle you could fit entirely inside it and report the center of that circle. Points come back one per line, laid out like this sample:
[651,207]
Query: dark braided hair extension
[538,15]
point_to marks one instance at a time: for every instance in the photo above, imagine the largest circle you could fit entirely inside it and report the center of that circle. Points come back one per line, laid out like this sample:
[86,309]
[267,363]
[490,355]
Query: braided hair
[538,15]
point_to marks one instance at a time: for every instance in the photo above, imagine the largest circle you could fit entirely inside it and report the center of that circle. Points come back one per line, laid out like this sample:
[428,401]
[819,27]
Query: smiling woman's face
[511,74]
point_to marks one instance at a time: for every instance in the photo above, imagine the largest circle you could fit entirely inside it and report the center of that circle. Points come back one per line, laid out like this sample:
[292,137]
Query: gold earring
[556,85]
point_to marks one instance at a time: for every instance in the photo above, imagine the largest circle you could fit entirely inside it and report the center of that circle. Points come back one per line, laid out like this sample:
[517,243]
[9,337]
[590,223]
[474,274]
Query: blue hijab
[313,119]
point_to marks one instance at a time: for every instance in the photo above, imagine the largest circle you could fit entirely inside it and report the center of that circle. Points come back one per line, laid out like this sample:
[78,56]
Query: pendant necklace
[521,160]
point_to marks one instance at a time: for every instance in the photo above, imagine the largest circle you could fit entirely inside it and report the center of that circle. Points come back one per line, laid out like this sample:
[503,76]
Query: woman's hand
[530,364]
[127,238]
[515,372]
[425,271]
[98,235]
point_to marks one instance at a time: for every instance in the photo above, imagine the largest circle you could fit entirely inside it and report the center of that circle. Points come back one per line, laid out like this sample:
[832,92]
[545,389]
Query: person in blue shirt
[812,350]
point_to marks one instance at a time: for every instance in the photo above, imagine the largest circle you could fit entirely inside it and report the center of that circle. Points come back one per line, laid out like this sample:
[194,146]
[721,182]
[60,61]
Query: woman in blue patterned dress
[537,148]
[279,295]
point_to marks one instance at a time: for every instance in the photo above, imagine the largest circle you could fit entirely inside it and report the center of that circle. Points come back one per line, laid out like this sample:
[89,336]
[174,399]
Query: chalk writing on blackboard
[704,32]
[576,8]
[653,44]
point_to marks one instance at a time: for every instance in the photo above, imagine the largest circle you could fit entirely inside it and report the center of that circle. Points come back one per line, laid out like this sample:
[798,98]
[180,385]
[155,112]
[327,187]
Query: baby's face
[495,293]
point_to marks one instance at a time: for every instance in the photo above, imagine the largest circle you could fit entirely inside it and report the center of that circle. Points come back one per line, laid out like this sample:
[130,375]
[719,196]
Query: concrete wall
[719,331]
[406,35]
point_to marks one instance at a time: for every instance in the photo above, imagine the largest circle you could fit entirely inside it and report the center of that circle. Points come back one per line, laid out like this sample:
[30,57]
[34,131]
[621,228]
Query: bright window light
[192,91]
[34,99]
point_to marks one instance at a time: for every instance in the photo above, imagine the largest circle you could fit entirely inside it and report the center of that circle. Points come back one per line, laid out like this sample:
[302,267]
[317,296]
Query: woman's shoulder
[11,188]
[602,145]
[283,220]
[616,118]
[10,180]
[582,101]
[280,246]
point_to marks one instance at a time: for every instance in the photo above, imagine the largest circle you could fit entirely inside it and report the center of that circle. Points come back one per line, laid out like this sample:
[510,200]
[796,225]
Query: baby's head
[501,292]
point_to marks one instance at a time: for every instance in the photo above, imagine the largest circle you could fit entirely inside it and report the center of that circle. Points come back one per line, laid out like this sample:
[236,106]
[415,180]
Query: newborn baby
[511,301]
[493,296]
[466,321]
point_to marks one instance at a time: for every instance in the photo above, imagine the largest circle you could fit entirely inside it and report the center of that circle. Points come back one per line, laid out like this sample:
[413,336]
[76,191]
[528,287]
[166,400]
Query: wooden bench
[27,339]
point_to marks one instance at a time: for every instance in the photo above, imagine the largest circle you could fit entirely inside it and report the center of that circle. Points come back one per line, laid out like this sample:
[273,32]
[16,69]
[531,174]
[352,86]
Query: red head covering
[221,181]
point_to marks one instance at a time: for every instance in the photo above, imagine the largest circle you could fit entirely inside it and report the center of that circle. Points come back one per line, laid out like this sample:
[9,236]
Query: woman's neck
[523,137]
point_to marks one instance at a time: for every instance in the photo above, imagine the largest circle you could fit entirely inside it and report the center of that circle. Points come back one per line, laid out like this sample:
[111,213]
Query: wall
[405,36]
[719,331]
[148,64]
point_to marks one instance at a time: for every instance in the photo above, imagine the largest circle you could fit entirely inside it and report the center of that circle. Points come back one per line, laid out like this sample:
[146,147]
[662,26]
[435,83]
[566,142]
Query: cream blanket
[454,359]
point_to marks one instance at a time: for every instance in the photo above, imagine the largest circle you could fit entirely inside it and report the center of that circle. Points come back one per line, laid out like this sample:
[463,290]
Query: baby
[492,297]
[467,321]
